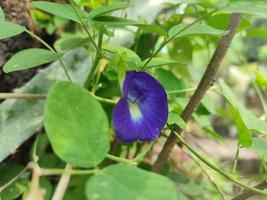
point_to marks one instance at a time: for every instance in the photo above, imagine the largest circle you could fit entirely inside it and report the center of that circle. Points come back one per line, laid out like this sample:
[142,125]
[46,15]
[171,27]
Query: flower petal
[142,111]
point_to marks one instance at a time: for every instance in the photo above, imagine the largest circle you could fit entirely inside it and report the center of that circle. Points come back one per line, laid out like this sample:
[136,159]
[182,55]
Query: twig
[236,158]
[62,185]
[122,160]
[247,194]
[3,187]
[21,96]
[211,179]
[33,35]
[42,96]
[205,83]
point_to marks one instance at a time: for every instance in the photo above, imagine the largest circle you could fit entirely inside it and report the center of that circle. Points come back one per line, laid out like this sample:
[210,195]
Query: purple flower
[142,111]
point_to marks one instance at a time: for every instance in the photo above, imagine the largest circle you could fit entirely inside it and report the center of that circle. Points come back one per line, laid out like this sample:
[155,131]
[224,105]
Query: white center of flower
[134,110]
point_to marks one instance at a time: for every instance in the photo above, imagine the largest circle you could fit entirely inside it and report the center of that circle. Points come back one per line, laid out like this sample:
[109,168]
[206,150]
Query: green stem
[255,190]
[262,100]
[143,153]
[236,158]
[104,100]
[181,91]
[54,171]
[35,157]
[122,160]
[65,69]
[40,40]
[84,26]
[96,61]
[51,49]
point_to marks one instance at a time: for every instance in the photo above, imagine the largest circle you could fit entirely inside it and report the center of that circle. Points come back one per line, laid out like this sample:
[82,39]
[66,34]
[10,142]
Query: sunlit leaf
[76,125]
[27,115]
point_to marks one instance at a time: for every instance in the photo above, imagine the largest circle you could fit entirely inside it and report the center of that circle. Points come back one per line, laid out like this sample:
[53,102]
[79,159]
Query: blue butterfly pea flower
[142,112]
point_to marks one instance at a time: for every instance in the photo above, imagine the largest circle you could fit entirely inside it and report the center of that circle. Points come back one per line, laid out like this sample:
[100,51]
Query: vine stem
[206,82]
[143,153]
[122,160]
[42,96]
[52,171]
[84,26]
[215,168]
[97,59]
[181,91]
[51,49]
[236,157]
[21,96]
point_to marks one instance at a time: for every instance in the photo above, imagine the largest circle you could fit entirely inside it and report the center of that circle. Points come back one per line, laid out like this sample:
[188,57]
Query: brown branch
[205,83]
[247,194]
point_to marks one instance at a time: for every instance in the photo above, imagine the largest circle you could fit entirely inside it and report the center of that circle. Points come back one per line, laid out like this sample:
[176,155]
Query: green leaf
[105,10]
[122,182]
[76,125]
[261,80]
[244,134]
[114,21]
[29,58]
[61,10]
[152,28]
[66,44]
[174,118]
[2,14]
[238,114]
[195,29]
[27,115]
[257,8]
[46,185]
[157,62]
[257,32]
[9,29]
[169,81]
[220,21]
[251,121]
[259,145]
[127,55]
[119,21]
[13,191]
